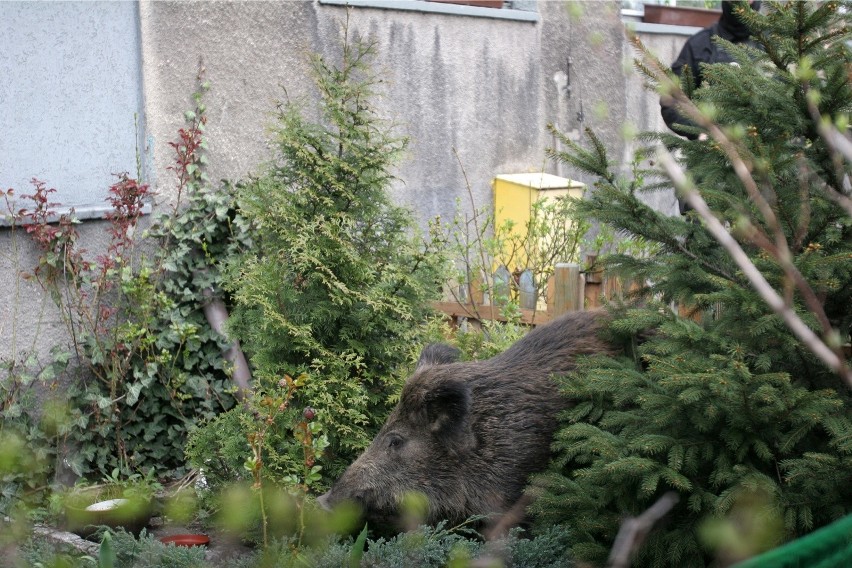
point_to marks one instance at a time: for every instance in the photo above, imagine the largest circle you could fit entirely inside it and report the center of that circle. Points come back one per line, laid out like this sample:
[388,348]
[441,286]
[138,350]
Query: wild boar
[467,435]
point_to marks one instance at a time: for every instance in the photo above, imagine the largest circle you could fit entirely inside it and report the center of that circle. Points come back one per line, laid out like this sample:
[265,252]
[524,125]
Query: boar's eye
[395,441]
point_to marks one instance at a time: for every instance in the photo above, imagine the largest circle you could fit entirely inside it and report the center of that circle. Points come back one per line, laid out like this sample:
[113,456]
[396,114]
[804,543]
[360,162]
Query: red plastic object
[186,539]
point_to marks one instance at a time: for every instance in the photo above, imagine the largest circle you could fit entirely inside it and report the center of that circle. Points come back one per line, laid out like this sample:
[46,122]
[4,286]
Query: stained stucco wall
[479,87]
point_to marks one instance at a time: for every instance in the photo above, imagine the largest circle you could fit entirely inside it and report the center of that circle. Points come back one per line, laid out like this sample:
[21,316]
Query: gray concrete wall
[71,85]
[478,87]
[70,89]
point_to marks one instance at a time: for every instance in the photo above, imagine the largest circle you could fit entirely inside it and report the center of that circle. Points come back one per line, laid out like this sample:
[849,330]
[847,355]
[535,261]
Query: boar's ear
[448,409]
[438,354]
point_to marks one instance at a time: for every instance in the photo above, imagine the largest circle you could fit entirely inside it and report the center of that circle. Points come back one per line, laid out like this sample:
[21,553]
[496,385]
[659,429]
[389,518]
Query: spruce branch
[818,347]
[776,246]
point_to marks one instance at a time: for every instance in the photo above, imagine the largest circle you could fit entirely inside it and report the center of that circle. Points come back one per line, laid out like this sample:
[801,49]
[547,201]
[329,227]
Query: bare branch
[840,145]
[217,314]
[794,276]
[743,168]
[475,219]
[633,531]
[511,518]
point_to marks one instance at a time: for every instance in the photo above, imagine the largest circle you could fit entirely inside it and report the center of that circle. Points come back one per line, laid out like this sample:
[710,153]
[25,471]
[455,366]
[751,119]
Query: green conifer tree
[727,407]
[338,280]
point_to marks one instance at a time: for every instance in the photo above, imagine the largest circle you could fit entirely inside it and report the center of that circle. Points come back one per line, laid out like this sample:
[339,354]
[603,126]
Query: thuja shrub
[337,280]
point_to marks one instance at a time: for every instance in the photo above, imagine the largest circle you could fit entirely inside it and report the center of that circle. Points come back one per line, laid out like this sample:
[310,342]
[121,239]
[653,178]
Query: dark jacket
[701,48]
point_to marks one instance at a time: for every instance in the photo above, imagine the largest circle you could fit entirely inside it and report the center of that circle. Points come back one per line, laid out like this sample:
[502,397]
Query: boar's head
[420,449]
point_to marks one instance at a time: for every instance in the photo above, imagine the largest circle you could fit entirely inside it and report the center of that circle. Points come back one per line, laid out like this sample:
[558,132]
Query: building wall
[473,93]
[643,105]
[70,95]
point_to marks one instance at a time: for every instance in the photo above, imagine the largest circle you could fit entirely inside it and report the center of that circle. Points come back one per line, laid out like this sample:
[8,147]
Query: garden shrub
[337,280]
[146,551]
[176,374]
[147,365]
[39,552]
[219,448]
[726,407]
[125,550]
[29,430]
[424,547]
[550,549]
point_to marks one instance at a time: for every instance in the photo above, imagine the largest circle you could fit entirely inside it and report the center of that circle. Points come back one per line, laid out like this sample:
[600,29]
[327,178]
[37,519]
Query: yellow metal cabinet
[515,194]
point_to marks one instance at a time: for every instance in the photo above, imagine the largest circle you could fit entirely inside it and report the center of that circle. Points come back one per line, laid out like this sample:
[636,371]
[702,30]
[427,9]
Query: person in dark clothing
[701,48]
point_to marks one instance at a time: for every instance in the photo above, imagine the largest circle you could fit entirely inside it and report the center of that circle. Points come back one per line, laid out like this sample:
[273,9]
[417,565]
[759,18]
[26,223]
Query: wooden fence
[568,289]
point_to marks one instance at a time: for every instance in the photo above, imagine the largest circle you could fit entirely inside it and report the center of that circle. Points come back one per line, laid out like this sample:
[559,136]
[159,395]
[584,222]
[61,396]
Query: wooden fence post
[527,293]
[612,287]
[566,289]
[593,284]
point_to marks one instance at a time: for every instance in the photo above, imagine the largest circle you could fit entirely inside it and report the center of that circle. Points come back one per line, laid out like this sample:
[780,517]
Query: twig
[633,531]
[217,314]
[495,551]
[186,481]
[840,145]
[509,519]
[479,233]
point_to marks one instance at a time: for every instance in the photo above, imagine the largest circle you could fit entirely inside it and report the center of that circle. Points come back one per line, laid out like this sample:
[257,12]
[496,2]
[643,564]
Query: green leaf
[106,552]
[357,552]
[133,392]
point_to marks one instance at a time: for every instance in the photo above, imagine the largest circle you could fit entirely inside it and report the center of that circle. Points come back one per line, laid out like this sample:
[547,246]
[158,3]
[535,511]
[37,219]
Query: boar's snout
[323,499]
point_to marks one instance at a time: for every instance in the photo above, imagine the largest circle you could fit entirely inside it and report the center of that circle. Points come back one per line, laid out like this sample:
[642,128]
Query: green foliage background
[181,378]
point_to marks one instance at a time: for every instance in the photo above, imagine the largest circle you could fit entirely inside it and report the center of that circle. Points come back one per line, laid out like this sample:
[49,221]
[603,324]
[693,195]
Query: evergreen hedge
[726,407]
